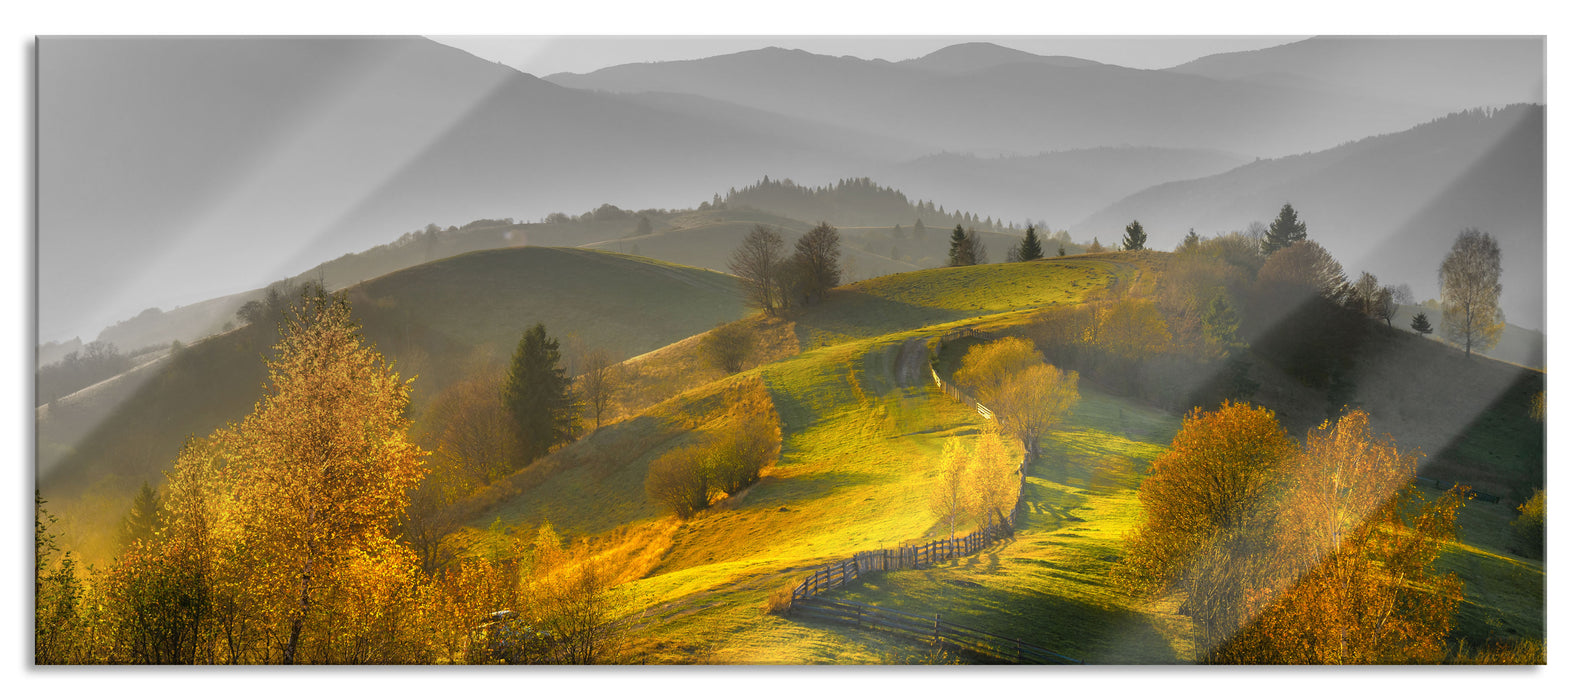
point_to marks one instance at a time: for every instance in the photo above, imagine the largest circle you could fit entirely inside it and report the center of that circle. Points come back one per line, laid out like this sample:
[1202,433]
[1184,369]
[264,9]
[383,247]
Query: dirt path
[911,362]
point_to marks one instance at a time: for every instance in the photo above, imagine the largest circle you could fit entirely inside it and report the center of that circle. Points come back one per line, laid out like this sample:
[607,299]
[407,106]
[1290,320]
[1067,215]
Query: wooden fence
[956,393]
[838,574]
[932,630]
[914,556]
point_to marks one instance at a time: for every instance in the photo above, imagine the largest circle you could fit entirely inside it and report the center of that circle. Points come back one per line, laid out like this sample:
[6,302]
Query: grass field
[1049,585]
[861,453]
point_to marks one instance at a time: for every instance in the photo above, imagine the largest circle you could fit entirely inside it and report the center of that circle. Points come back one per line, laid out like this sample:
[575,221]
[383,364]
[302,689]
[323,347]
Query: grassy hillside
[703,238]
[431,321]
[899,302]
[1518,345]
[1050,586]
[625,304]
[860,453]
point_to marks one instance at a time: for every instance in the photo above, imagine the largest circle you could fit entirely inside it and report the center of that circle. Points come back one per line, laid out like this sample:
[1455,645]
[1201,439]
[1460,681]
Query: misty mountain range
[175,170]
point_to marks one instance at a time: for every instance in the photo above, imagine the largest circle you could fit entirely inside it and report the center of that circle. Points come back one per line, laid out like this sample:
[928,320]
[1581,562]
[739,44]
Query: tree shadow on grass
[793,491]
[1042,615]
[848,313]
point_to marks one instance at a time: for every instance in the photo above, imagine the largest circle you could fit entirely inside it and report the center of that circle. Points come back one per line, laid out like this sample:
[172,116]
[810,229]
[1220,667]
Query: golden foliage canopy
[1317,556]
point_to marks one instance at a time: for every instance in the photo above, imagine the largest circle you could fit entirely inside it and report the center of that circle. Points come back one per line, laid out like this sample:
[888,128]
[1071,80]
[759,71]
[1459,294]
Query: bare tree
[756,262]
[1469,289]
[428,518]
[818,256]
[1395,296]
[470,429]
[975,248]
[597,382]
[1367,296]
[1301,270]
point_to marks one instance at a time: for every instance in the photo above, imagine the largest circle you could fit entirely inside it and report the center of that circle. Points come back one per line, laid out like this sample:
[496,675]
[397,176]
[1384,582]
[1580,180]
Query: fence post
[1018,651]
[936,629]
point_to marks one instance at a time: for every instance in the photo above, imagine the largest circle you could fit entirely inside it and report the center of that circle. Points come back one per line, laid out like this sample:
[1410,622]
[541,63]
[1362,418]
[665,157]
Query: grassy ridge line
[628,305]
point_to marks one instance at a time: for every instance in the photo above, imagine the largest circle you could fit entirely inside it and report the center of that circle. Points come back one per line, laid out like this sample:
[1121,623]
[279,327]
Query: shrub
[727,347]
[746,448]
[1530,526]
[678,480]
[779,602]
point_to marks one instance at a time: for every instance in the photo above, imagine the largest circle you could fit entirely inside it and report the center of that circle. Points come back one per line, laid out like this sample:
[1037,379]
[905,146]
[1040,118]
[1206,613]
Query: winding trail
[911,361]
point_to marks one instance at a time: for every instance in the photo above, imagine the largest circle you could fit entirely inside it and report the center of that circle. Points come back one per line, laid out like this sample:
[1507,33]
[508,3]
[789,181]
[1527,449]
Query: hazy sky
[296,163]
[545,55]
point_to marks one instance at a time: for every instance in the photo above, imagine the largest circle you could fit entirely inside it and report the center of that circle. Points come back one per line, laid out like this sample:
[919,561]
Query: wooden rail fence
[916,556]
[838,574]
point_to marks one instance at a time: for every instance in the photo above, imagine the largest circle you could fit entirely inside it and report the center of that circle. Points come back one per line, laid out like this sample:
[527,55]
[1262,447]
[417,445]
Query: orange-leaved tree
[1317,556]
[1200,531]
[1357,543]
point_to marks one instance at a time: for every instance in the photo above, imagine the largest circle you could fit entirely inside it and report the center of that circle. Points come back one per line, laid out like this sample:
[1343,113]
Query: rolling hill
[433,321]
[1391,204]
[860,449]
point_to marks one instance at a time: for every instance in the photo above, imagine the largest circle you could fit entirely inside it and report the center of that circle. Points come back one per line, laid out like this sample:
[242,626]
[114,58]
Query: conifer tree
[1135,237]
[1421,325]
[1284,231]
[538,396]
[1221,322]
[144,518]
[1032,248]
[958,247]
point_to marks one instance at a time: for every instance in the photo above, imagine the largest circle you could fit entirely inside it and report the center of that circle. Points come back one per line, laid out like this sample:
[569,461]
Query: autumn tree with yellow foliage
[278,546]
[1354,579]
[1322,555]
[1028,396]
[322,467]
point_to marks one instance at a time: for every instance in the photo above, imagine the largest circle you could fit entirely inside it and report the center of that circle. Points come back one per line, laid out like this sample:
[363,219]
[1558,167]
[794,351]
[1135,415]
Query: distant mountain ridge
[980,97]
[274,154]
[230,163]
[1060,187]
[1390,204]
[978,55]
[1451,73]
